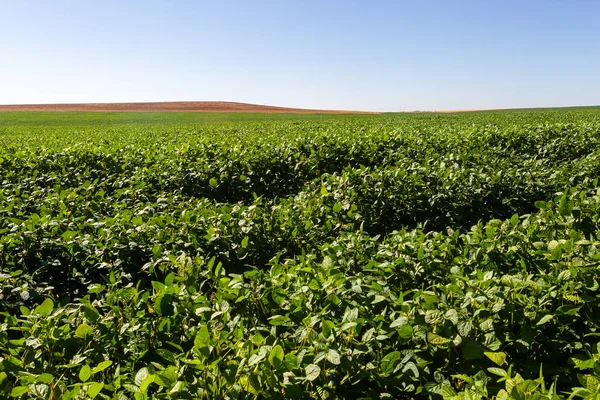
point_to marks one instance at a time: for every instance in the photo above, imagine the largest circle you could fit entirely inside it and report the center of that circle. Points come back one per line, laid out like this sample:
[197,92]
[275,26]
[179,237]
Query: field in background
[174,106]
[190,255]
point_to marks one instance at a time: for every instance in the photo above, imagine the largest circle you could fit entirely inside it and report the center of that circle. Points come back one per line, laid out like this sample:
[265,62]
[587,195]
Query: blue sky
[361,55]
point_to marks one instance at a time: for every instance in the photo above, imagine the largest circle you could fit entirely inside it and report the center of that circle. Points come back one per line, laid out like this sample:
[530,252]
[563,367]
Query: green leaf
[448,392]
[91,313]
[464,328]
[146,382]
[40,390]
[245,241]
[291,361]
[312,372]
[213,182]
[45,308]
[202,338]
[590,382]
[498,358]
[337,207]
[497,371]
[565,206]
[405,332]
[94,389]
[452,316]
[437,340]
[333,357]
[178,387]
[85,373]
[399,322]
[102,366]
[18,391]
[378,299]
[83,331]
[140,376]
[276,356]
[277,320]
[582,361]
[166,354]
[256,358]
[68,235]
[44,378]
[389,362]
[545,319]
[132,388]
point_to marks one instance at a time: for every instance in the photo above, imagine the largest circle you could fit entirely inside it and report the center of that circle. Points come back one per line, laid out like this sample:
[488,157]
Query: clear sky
[332,54]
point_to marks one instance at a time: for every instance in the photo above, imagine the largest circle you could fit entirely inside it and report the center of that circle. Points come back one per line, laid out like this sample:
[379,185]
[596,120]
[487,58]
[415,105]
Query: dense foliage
[403,256]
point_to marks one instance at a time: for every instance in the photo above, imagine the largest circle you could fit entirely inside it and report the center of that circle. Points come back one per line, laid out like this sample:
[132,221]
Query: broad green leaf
[378,299]
[164,304]
[545,319]
[452,316]
[18,391]
[166,354]
[437,340]
[291,361]
[333,357]
[132,388]
[44,378]
[565,206]
[146,382]
[464,328]
[405,332]
[276,356]
[83,331]
[94,389]
[202,337]
[69,235]
[497,357]
[399,322]
[448,392]
[40,390]
[179,386]
[389,362]
[312,372]
[140,376]
[45,308]
[497,371]
[85,373]
[256,358]
[158,286]
[102,366]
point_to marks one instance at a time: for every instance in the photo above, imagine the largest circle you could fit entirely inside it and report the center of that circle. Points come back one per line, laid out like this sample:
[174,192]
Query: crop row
[412,314]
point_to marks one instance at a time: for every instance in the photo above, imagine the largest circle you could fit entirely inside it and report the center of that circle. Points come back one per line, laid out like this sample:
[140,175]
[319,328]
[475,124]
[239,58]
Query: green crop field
[187,256]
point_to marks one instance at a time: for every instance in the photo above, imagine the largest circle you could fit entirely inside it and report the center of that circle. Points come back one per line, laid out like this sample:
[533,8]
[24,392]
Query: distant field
[44,119]
[252,255]
[176,106]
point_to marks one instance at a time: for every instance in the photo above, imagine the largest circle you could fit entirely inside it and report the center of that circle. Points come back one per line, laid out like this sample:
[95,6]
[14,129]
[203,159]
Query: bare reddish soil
[176,106]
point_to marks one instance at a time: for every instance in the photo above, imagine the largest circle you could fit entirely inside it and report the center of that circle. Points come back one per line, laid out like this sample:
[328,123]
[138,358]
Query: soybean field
[207,255]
